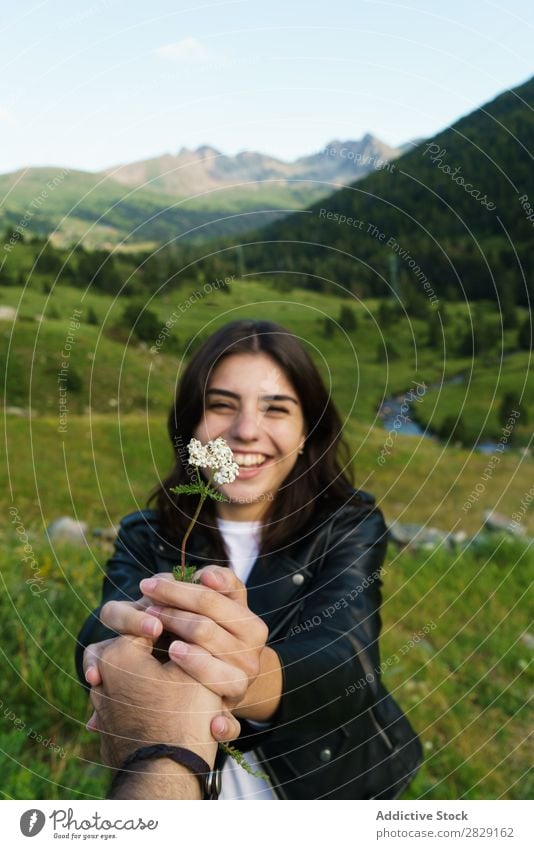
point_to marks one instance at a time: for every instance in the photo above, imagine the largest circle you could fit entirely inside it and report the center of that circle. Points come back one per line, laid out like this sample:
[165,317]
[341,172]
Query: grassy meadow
[464,684]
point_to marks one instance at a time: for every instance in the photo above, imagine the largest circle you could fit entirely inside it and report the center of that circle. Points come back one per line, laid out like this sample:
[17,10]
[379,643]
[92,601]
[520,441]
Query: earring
[301,450]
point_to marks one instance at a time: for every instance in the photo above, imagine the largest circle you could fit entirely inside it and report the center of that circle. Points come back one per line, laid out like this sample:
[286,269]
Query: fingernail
[179,649]
[150,627]
[219,725]
[148,584]
[217,578]
[91,724]
[89,673]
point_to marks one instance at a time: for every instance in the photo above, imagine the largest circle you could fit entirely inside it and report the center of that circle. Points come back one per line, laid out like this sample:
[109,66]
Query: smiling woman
[287,636]
[252,405]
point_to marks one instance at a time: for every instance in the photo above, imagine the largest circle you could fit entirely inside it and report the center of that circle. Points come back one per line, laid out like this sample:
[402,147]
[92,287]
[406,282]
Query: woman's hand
[221,640]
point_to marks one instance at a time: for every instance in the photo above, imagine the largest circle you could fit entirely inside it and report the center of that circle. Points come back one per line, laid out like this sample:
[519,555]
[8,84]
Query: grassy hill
[100,212]
[453,212]
[110,367]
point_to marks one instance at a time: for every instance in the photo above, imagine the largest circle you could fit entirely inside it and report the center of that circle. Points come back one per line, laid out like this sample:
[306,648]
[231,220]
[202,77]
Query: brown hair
[317,479]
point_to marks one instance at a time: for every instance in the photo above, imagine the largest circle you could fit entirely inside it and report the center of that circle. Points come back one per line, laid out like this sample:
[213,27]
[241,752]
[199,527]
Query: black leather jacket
[337,733]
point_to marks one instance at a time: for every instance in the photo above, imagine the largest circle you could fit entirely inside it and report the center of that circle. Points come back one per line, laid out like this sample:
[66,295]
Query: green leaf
[217,496]
[189,489]
[198,489]
[188,576]
[239,758]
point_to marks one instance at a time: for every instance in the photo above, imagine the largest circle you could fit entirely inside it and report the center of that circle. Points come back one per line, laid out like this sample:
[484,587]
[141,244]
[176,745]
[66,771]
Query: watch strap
[209,779]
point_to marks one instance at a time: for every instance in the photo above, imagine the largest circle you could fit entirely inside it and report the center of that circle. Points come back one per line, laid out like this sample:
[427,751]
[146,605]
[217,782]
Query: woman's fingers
[223,580]
[197,629]
[126,617]
[221,678]
[207,634]
[197,598]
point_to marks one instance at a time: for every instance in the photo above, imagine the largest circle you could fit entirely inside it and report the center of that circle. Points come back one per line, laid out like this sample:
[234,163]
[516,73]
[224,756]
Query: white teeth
[249,459]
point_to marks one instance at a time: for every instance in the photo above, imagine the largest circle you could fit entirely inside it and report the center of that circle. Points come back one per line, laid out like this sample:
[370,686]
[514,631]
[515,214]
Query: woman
[296,658]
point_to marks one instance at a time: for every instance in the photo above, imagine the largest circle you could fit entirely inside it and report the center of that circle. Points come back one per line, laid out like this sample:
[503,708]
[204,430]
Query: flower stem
[191,524]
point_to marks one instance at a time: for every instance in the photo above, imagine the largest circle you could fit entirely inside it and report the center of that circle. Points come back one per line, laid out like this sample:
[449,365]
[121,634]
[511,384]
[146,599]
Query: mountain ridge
[206,168]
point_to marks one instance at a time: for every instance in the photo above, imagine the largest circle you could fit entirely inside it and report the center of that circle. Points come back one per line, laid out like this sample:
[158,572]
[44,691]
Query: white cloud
[189,50]
[7,118]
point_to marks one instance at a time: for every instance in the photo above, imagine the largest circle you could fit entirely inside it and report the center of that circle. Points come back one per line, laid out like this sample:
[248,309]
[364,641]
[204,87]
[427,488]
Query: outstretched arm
[141,702]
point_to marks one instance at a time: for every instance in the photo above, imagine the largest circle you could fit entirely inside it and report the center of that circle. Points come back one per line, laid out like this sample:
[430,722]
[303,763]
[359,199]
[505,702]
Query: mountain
[192,172]
[196,195]
[454,215]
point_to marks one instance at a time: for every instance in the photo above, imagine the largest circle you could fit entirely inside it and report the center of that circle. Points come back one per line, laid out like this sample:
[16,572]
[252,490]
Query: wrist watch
[209,779]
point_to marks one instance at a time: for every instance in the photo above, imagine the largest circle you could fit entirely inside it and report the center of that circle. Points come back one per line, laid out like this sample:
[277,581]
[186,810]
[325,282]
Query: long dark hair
[319,479]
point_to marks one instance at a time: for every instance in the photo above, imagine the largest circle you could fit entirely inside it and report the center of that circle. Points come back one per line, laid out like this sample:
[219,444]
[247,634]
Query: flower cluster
[217,455]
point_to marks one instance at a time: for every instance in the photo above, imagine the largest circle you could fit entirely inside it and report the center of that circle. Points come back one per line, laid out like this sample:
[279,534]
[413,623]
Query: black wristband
[209,779]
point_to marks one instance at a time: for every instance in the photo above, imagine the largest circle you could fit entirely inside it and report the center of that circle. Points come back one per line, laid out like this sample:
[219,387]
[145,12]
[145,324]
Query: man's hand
[141,702]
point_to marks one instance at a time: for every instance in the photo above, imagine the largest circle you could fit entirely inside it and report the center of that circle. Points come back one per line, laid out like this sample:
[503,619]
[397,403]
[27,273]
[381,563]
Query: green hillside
[450,218]
[363,351]
[80,206]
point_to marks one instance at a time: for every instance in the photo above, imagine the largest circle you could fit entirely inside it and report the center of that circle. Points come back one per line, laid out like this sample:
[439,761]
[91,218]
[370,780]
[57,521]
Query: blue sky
[92,84]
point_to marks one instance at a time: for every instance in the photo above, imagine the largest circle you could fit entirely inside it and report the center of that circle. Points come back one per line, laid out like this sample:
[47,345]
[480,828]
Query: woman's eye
[276,410]
[220,404]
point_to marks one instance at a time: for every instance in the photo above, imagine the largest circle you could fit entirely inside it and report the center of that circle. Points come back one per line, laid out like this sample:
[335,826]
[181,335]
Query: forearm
[263,696]
[157,779]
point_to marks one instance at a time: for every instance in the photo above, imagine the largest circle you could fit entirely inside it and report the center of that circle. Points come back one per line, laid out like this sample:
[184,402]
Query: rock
[8,313]
[416,536]
[66,529]
[22,412]
[458,538]
[106,534]
[494,521]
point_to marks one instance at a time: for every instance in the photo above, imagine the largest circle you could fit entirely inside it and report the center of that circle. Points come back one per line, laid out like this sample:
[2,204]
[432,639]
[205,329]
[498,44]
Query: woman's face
[251,404]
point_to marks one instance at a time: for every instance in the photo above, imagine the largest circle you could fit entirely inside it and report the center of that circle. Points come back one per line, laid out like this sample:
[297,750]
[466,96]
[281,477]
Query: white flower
[226,474]
[198,456]
[219,452]
[216,454]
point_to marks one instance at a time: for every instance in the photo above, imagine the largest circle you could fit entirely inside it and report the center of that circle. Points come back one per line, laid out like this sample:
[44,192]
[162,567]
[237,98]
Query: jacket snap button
[298,579]
[325,755]
[161,547]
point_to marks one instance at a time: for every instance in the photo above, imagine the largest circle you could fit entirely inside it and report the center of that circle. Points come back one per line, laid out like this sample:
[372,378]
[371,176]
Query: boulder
[416,536]
[7,313]
[494,521]
[106,534]
[69,530]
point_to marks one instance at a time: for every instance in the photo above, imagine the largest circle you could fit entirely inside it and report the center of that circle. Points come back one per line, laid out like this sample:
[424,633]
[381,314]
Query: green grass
[105,465]
[465,685]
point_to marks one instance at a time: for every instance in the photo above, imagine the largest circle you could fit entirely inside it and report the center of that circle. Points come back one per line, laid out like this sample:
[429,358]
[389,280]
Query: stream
[396,414]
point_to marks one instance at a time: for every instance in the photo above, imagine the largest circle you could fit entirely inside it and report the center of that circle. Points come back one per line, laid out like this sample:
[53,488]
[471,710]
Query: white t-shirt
[242,540]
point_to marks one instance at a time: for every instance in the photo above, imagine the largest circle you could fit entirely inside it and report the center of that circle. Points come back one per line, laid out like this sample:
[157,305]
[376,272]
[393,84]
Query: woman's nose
[246,424]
